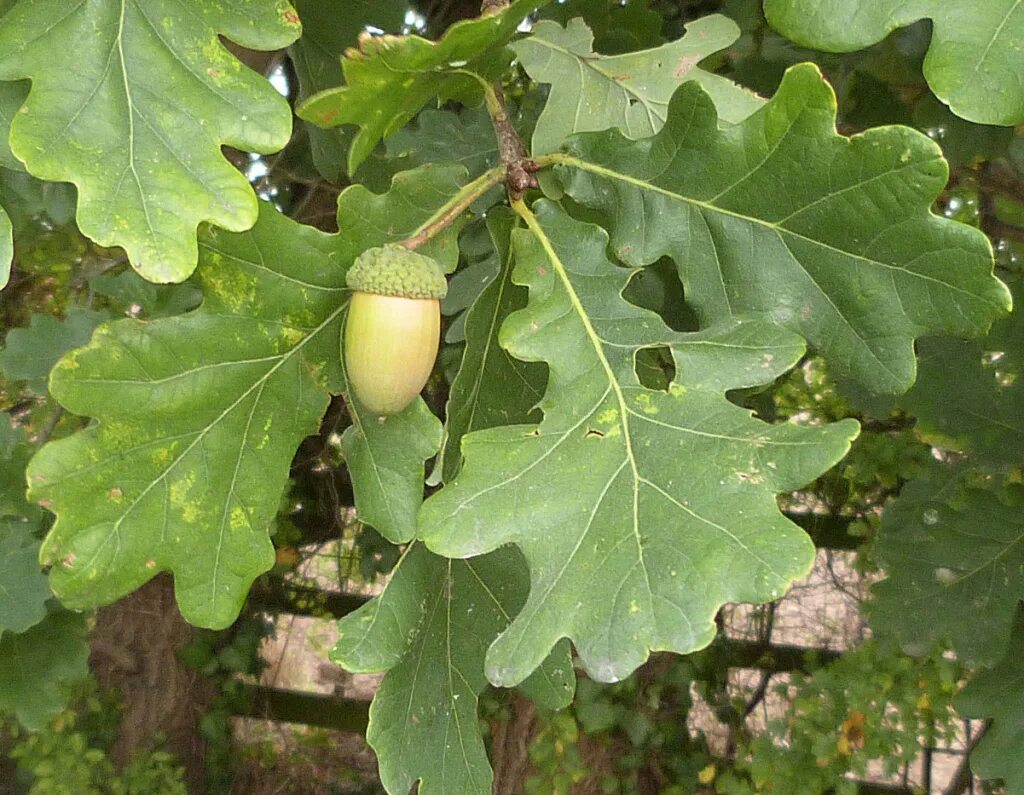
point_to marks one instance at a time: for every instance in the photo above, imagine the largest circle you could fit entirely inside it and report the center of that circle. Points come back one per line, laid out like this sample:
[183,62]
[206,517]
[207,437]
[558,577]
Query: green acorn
[393,327]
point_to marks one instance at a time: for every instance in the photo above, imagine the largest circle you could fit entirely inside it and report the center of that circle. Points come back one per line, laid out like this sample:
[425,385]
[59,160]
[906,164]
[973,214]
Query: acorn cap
[394,270]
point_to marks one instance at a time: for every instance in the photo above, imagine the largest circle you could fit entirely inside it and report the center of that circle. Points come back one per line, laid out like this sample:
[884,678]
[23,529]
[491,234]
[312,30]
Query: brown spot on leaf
[686,63]
[291,17]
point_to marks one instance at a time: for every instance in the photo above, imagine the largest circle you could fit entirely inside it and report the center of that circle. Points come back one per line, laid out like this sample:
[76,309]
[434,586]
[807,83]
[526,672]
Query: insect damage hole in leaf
[625,510]
[844,250]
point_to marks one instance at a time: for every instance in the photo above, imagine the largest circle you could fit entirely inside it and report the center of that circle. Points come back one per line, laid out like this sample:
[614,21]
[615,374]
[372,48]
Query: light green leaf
[37,666]
[385,458]
[30,353]
[329,28]
[640,512]
[6,248]
[23,587]
[390,78]
[969,396]
[199,415]
[12,96]
[843,250]
[975,60]
[429,630]
[492,388]
[628,92]
[132,102]
[998,693]
[952,547]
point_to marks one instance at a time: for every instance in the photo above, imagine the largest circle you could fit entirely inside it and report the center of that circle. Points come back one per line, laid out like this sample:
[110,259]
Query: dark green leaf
[441,136]
[12,96]
[492,388]
[639,512]
[385,458]
[969,396]
[617,27]
[30,353]
[998,694]
[952,547]
[37,666]
[14,455]
[132,101]
[429,630]
[133,295]
[843,250]
[23,587]
[30,202]
[961,141]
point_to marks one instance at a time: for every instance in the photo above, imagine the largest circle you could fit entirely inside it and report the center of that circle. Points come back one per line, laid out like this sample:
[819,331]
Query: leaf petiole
[454,207]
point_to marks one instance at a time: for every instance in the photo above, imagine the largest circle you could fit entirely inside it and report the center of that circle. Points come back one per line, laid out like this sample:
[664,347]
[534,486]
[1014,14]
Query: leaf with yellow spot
[199,415]
[155,94]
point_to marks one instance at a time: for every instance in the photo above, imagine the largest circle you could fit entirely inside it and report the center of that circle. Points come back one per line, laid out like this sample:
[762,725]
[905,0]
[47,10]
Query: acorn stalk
[393,328]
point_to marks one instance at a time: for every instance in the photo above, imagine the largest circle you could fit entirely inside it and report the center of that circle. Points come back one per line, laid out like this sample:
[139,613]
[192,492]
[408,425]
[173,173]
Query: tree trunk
[134,652]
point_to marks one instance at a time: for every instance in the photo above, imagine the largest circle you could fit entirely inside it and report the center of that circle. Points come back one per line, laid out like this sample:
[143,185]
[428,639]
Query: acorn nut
[393,328]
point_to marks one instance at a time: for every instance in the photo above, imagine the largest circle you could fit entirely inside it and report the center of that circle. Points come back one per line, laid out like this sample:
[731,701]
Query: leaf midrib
[591,63]
[583,165]
[995,35]
[595,340]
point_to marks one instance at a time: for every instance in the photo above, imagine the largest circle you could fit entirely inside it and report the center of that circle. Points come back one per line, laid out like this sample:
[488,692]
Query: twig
[962,778]
[51,424]
[519,168]
[756,697]
[458,204]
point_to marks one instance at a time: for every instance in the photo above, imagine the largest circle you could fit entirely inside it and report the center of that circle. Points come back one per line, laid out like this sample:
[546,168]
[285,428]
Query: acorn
[394,326]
